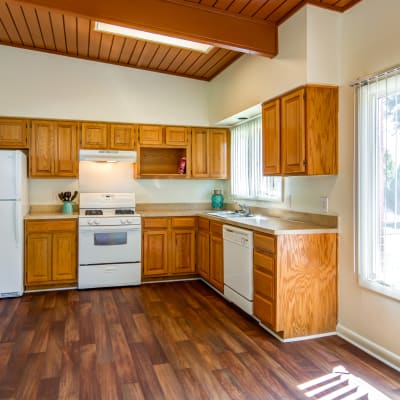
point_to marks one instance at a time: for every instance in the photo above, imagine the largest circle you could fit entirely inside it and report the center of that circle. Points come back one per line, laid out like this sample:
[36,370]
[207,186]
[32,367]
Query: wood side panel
[322,130]
[271,138]
[216,256]
[306,284]
[200,153]
[293,133]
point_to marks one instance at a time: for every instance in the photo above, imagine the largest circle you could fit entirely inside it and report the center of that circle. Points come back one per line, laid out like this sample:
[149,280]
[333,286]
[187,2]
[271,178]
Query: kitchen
[145,97]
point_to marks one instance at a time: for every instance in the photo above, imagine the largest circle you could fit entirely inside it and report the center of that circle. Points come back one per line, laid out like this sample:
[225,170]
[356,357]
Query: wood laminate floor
[168,341]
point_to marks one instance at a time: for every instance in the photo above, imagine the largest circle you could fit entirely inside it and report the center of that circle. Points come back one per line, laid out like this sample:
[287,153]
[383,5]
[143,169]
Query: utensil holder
[67,207]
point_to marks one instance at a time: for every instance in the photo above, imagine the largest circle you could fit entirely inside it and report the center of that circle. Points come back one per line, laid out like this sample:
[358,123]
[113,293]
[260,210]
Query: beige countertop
[277,223]
[261,223]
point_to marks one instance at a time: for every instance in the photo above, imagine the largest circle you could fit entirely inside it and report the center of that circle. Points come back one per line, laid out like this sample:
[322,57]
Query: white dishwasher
[238,267]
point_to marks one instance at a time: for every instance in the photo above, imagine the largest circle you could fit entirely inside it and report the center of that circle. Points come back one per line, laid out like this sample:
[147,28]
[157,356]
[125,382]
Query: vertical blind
[246,166]
[378,193]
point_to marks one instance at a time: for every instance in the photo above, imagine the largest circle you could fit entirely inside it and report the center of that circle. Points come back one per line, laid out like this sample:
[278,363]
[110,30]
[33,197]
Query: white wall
[40,85]
[370,33]
[333,49]
[252,80]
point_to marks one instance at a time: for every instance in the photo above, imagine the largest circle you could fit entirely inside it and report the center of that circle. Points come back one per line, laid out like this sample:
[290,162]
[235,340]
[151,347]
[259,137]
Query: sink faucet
[244,209]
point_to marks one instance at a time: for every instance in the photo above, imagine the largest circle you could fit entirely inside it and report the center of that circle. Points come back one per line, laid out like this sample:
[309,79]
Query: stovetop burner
[93,212]
[124,212]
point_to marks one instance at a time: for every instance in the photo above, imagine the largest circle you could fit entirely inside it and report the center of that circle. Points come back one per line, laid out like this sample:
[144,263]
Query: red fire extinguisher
[182,165]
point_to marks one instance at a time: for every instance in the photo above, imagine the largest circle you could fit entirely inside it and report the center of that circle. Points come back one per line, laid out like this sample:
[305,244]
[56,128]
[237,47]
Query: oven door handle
[100,228]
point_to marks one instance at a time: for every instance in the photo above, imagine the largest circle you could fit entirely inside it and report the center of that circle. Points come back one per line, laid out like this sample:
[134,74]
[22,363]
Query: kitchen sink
[222,213]
[247,218]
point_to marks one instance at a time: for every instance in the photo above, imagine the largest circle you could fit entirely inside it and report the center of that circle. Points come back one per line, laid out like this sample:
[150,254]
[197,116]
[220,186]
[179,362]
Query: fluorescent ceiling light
[151,37]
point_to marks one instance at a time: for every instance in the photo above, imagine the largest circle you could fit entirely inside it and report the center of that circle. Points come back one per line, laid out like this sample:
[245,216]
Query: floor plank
[167,341]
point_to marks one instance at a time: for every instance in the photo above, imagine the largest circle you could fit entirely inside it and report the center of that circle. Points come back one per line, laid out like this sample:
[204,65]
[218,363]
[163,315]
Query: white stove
[109,240]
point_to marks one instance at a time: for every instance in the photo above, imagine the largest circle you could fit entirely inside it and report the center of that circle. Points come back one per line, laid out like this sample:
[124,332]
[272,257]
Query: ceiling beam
[171,17]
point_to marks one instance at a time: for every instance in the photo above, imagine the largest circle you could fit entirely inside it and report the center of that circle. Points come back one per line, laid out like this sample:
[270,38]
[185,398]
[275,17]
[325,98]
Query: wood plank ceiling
[35,27]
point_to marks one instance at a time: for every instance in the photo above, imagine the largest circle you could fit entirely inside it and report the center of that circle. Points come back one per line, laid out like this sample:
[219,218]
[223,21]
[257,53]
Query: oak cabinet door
[13,133]
[203,254]
[176,136]
[200,153]
[122,137]
[150,134]
[38,259]
[41,154]
[271,138]
[219,153]
[216,257]
[94,136]
[64,257]
[66,149]
[183,251]
[293,133]
[155,252]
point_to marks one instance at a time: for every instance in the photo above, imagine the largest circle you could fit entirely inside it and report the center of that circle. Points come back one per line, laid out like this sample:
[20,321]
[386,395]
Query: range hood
[108,155]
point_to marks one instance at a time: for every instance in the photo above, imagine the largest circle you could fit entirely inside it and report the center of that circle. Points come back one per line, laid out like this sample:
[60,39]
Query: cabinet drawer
[264,243]
[264,310]
[263,262]
[155,223]
[204,224]
[47,225]
[184,222]
[216,229]
[264,285]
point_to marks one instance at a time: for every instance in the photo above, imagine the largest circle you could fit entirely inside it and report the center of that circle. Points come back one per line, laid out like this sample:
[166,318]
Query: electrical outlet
[289,201]
[324,203]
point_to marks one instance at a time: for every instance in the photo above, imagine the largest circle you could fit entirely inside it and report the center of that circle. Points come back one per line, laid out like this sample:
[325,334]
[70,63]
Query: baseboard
[387,357]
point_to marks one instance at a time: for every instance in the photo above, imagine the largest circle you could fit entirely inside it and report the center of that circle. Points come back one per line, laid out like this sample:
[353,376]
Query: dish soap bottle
[217,199]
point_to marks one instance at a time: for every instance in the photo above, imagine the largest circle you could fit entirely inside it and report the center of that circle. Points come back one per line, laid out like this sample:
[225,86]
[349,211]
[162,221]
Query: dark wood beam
[191,22]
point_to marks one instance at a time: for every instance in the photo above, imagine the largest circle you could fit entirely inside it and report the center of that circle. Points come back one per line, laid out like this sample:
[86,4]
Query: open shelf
[161,162]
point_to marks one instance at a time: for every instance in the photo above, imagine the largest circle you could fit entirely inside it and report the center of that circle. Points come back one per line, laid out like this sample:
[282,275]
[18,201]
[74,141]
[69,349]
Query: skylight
[151,37]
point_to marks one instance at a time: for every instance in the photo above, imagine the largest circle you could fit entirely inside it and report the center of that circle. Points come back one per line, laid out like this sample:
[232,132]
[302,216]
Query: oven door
[109,244]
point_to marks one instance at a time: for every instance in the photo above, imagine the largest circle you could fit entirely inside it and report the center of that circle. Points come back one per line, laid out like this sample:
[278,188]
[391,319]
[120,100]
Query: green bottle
[217,199]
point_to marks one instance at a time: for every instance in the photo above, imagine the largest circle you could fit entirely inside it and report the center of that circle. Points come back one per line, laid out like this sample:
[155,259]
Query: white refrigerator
[13,207]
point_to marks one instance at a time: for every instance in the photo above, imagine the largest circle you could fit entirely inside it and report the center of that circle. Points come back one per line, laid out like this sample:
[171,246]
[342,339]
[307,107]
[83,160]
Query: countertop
[275,225]
[266,224]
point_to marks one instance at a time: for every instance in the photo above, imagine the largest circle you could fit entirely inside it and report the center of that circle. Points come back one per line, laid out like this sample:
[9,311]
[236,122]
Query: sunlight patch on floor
[340,384]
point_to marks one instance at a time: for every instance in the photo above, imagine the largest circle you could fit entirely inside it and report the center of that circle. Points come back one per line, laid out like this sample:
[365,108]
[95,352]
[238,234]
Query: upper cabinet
[13,133]
[53,149]
[300,132]
[102,136]
[163,152]
[210,153]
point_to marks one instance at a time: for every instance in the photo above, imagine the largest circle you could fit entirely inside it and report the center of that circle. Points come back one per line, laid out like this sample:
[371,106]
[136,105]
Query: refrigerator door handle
[17,224]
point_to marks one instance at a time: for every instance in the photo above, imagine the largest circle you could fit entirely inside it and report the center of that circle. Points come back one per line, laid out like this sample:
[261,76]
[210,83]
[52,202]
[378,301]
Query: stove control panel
[109,221]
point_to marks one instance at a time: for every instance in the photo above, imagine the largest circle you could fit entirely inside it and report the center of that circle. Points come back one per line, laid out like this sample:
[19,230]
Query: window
[247,179]
[378,194]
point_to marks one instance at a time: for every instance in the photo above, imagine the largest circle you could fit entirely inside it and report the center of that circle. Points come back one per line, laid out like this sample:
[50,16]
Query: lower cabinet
[203,248]
[50,253]
[210,257]
[295,283]
[169,246]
